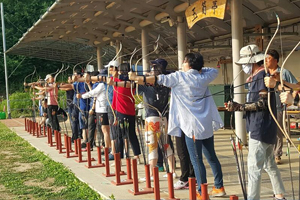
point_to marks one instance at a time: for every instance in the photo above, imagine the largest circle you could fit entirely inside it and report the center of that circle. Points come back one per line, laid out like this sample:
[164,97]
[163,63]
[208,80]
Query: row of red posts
[132,178]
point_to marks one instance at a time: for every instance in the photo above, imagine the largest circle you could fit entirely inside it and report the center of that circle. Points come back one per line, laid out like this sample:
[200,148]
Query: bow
[114,114]
[81,63]
[33,101]
[289,140]
[269,95]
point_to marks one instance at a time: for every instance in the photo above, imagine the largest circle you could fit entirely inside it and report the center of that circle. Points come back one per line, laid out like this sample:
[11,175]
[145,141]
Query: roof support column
[237,43]
[145,51]
[99,58]
[181,40]
[119,59]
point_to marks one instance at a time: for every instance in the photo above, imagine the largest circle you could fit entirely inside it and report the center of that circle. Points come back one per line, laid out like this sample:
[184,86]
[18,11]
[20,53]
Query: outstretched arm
[261,104]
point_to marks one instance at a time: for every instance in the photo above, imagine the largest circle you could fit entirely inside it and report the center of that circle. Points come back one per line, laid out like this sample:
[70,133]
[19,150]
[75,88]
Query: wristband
[98,78]
[125,84]
[116,84]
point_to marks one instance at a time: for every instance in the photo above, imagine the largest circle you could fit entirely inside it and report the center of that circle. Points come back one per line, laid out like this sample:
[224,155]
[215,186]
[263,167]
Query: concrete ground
[94,178]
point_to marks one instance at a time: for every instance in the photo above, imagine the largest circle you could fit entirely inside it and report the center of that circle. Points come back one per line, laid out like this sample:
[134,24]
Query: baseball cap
[89,68]
[160,61]
[113,63]
[103,72]
[47,77]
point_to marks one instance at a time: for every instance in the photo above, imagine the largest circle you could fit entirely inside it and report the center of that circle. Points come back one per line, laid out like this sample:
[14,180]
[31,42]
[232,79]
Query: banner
[205,8]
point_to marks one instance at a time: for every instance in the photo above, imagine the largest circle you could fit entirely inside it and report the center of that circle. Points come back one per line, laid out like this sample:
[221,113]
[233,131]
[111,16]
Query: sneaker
[198,196]
[83,145]
[160,169]
[278,160]
[110,157]
[174,175]
[142,180]
[217,192]
[275,198]
[180,185]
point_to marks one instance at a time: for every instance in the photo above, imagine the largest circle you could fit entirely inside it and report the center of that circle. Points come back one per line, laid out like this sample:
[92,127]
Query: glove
[233,106]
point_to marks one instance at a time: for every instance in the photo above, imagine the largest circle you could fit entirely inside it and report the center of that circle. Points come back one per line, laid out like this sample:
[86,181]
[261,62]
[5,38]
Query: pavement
[94,178]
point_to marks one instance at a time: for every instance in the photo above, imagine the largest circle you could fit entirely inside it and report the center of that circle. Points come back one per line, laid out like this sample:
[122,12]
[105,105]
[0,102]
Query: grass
[26,173]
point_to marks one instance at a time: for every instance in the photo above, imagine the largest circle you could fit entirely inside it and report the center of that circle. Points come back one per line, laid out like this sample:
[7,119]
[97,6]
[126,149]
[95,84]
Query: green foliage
[21,104]
[19,16]
[42,169]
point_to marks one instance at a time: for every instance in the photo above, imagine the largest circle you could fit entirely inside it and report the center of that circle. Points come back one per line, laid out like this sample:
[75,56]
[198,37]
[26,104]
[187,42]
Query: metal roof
[71,30]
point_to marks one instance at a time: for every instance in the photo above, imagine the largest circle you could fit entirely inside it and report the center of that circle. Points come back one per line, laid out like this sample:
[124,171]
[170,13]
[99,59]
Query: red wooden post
[156,183]
[192,188]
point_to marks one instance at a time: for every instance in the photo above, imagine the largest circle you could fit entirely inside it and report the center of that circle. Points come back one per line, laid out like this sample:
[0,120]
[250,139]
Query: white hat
[89,68]
[113,63]
[250,54]
[48,76]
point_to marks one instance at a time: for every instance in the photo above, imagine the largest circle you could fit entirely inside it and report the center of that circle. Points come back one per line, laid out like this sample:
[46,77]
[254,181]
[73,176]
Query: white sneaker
[142,180]
[180,185]
[174,175]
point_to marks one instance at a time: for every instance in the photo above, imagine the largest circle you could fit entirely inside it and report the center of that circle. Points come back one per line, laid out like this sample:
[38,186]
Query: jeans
[76,132]
[83,119]
[261,156]
[206,147]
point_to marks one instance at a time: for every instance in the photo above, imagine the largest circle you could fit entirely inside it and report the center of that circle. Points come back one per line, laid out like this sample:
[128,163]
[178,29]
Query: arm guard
[261,104]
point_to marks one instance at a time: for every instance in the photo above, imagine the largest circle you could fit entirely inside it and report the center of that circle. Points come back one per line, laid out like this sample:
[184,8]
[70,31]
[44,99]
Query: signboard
[205,8]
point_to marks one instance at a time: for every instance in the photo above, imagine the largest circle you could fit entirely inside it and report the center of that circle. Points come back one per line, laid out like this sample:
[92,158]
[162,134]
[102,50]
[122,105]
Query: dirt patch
[9,154]
[5,194]
[46,184]
[23,167]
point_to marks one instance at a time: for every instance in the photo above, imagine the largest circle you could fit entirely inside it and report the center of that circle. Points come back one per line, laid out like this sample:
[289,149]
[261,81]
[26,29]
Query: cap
[89,68]
[48,76]
[250,54]
[103,72]
[113,63]
[160,61]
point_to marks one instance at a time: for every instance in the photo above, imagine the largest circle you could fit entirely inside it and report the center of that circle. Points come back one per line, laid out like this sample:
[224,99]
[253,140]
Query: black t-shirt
[260,124]
[156,96]
[70,96]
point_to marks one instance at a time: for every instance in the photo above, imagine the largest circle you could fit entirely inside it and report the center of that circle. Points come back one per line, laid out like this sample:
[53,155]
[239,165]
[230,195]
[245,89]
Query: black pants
[186,166]
[131,134]
[99,123]
[91,129]
[52,115]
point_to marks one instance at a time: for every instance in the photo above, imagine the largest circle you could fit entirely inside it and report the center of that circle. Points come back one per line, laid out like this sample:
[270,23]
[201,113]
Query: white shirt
[192,109]
[99,93]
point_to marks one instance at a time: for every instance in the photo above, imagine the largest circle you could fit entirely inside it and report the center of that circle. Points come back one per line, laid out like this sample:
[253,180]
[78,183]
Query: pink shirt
[52,96]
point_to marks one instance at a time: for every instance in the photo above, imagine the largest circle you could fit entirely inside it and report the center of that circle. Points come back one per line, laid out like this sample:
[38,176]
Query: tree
[19,16]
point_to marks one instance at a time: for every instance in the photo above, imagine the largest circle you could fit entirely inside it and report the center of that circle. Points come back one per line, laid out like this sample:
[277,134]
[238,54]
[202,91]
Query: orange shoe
[217,192]
[198,196]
